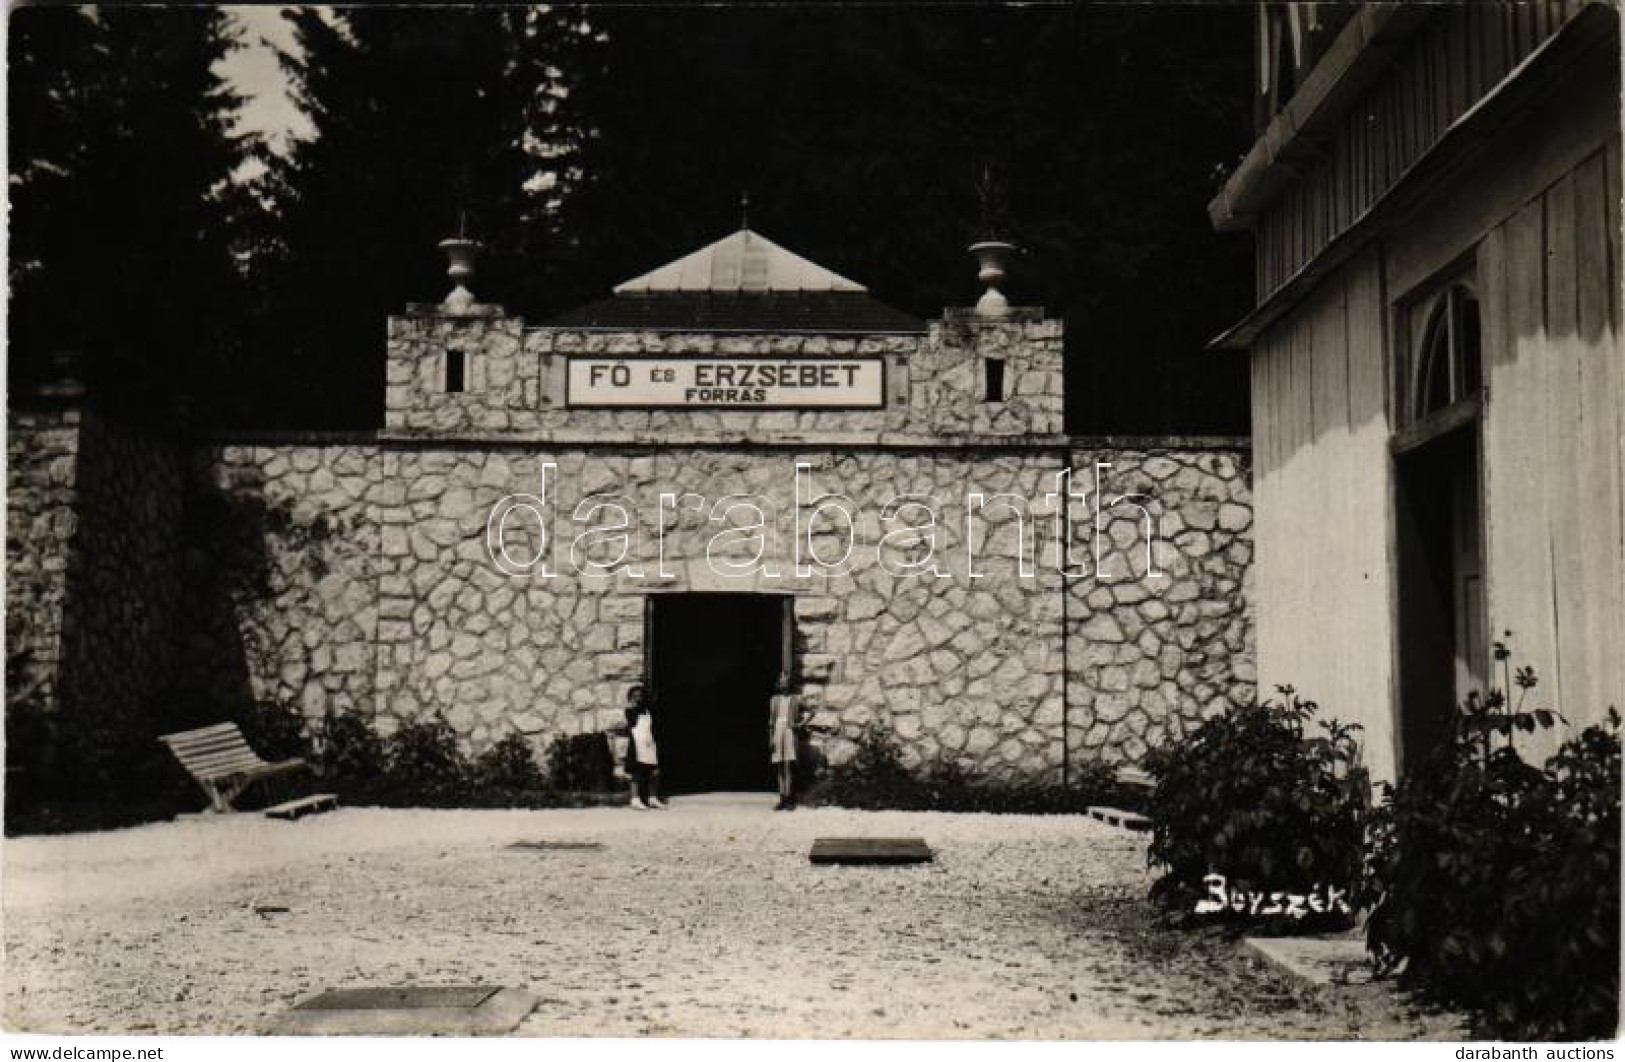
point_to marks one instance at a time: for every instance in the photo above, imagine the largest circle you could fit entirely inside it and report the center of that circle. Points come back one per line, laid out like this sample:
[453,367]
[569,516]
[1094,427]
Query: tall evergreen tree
[861,133]
[121,149]
[426,122]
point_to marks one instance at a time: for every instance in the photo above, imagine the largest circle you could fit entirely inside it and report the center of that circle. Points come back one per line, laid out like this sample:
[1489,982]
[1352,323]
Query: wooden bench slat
[257,769]
[203,731]
[203,754]
[313,804]
[209,758]
[210,741]
[211,746]
[245,762]
[226,770]
[213,750]
[1136,778]
[212,728]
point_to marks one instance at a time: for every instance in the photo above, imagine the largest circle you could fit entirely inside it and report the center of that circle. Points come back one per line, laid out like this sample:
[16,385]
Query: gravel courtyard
[705,920]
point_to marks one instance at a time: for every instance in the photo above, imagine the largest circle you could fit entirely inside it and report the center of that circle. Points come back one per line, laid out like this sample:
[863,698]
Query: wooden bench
[1127,820]
[219,760]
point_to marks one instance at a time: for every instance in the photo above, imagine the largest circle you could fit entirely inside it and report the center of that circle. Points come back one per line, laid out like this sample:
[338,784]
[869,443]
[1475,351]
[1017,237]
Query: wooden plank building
[1437,378]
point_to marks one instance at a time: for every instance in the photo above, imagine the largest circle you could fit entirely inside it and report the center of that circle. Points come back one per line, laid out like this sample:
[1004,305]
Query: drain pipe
[1066,659]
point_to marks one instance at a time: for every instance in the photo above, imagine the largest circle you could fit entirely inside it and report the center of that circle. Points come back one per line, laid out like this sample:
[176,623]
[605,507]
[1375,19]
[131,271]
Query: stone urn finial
[462,255]
[992,256]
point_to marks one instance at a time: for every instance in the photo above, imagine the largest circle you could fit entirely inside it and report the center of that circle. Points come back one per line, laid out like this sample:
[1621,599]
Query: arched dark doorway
[1443,642]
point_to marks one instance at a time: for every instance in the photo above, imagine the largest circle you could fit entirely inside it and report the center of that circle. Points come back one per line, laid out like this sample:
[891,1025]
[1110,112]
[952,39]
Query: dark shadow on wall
[225,568]
[86,754]
[164,570]
[230,572]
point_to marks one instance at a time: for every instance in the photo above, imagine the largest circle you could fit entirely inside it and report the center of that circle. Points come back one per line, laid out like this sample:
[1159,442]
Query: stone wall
[378,589]
[948,378]
[42,461]
[93,551]
[1150,657]
[120,620]
[514,382]
[281,573]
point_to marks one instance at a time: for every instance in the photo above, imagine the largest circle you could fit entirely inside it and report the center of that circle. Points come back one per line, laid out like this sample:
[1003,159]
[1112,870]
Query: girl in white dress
[784,719]
[642,758]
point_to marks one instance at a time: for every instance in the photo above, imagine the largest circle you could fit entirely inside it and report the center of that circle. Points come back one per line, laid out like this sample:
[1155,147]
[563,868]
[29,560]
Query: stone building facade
[515,552]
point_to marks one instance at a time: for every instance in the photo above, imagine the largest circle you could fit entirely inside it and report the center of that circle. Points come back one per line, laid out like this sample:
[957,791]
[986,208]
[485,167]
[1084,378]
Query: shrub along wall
[877,778]
[1272,798]
[1492,883]
[1497,881]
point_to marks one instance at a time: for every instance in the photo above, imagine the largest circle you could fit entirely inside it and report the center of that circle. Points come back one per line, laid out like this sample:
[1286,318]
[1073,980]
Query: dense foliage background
[587,145]
[122,217]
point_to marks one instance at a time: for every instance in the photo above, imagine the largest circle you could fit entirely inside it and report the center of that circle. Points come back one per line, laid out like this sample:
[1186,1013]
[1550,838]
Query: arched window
[1450,366]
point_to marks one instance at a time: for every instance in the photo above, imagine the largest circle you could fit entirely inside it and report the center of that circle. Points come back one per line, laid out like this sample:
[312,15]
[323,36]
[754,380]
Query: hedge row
[115,773]
[875,778]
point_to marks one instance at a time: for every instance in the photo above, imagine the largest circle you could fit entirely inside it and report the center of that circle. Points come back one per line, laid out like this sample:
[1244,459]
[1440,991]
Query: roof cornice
[1299,133]
[1463,144]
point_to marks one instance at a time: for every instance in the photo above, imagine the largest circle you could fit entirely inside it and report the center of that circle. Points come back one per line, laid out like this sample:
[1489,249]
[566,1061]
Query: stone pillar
[455,364]
[991,375]
[447,370]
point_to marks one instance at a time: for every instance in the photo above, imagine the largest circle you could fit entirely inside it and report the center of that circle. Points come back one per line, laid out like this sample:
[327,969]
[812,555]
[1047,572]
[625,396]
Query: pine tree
[426,123]
[121,147]
[860,133]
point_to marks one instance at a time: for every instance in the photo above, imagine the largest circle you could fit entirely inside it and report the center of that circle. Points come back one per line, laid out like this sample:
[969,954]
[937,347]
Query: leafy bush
[1253,795]
[275,730]
[875,778]
[59,780]
[423,767]
[1497,881]
[509,765]
[580,763]
[350,754]
[92,769]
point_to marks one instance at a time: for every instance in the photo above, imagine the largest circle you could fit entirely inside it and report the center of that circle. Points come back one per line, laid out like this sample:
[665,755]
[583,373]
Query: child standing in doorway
[784,719]
[642,759]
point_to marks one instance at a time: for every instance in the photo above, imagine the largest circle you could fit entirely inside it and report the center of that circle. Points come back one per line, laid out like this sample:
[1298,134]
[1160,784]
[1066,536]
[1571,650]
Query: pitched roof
[744,261]
[743,282]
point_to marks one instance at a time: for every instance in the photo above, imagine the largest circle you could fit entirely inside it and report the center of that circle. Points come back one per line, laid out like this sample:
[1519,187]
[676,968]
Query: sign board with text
[726,383]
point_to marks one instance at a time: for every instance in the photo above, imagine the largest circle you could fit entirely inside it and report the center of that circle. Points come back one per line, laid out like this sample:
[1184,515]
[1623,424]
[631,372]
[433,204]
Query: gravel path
[705,920]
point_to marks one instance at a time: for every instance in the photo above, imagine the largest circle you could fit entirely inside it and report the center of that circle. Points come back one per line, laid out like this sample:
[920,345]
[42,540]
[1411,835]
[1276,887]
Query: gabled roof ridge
[741,261]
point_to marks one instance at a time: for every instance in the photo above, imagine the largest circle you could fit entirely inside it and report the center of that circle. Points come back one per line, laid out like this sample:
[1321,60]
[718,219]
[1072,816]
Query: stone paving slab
[1323,960]
[870,851]
[403,1012]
